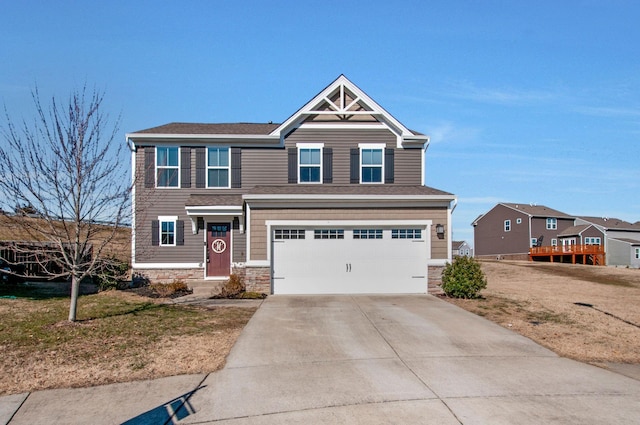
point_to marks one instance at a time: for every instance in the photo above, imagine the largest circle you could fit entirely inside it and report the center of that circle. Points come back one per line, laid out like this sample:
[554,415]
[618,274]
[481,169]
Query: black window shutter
[149,166]
[327,165]
[236,167]
[389,165]
[293,165]
[180,232]
[185,167]
[201,167]
[355,165]
[155,233]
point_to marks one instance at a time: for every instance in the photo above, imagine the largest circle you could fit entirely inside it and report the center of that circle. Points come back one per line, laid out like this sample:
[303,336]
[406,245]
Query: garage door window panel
[285,234]
[406,234]
[367,233]
[328,234]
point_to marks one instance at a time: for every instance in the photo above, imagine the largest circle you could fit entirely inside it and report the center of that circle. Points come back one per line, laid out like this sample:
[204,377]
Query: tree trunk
[75,290]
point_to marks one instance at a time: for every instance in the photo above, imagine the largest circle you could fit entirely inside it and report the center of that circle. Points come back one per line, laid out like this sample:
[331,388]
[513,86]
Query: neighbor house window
[591,241]
[406,233]
[309,163]
[367,233]
[167,230]
[552,224]
[289,234]
[507,225]
[218,167]
[554,242]
[371,163]
[637,253]
[534,241]
[167,167]
[518,220]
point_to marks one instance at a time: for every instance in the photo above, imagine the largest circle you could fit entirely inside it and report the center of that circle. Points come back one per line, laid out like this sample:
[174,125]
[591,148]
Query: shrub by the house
[463,278]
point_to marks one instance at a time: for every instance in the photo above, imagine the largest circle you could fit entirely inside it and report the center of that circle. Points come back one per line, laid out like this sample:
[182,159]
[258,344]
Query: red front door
[218,249]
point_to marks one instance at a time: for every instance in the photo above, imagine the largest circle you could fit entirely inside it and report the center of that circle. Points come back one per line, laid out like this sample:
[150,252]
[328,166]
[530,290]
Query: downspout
[132,148]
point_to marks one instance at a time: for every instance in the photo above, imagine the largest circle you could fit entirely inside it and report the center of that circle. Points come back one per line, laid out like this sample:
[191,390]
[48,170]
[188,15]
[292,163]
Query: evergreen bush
[463,278]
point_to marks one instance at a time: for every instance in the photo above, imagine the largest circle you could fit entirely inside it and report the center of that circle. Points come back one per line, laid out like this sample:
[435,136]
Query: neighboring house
[619,238]
[332,200]
[503,232]
[461,248]
[508,230]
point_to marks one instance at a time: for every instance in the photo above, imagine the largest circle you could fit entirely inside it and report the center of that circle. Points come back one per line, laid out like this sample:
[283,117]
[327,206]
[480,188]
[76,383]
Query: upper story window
[167,166]
[507,225]
[518,220]
[371,163]
[309,163]
[218,167]
[552,224]
[592,241]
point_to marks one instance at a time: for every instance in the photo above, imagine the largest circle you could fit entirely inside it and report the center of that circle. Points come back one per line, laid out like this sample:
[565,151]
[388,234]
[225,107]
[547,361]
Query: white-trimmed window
[552,223]
[518,220]
[371,163]
[167,229]
[534,242]
[592,240]
[507,225]
[554,242]
[167,166]
[637,253]
[218,167]
[309,162]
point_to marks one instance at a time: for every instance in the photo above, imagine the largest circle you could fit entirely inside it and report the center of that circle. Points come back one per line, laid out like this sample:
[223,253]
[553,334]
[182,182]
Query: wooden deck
[574,254]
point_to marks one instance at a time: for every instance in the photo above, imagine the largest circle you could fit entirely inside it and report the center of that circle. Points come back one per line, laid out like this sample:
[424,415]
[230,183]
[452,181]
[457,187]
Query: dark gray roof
[610,223]
[537,210]
[627,240]
[213,200]
[574,230]
[355,189]
[222,128]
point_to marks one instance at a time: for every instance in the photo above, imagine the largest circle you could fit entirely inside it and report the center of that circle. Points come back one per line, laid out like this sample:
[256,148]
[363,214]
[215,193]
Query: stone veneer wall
[258,279]
[168,275]
[435,280]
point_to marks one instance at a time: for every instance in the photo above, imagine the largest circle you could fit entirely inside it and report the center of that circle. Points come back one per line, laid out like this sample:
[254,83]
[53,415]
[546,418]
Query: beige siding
[259,235]
[264,167]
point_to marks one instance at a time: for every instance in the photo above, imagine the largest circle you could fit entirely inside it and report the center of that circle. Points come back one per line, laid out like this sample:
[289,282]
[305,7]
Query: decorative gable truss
[343,103]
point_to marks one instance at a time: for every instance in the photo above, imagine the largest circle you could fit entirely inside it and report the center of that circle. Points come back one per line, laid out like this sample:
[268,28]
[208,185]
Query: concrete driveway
[366,360]
[401,359]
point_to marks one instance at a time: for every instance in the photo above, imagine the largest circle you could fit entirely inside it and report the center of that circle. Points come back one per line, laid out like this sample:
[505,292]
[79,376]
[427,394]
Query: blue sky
[527,102]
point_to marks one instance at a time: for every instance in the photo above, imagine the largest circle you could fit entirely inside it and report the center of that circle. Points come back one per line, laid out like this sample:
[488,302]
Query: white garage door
[349,260]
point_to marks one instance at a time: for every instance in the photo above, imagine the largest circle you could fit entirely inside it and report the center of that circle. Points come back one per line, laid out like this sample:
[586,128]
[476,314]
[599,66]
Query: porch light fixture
[440,231]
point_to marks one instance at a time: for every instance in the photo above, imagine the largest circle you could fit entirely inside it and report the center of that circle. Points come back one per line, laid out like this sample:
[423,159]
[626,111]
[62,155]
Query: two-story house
[508,230]
[332,200]
[461,249]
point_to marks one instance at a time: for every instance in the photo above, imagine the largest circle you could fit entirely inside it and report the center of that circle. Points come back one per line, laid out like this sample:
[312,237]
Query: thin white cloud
[603,111]
[447,132]
[501,95]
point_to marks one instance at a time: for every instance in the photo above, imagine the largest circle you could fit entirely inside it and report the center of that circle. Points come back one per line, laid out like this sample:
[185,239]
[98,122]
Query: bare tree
[66,166]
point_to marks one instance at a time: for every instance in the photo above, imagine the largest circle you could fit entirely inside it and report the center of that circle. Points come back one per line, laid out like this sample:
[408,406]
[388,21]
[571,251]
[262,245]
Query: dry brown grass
[538,300]
[119,337]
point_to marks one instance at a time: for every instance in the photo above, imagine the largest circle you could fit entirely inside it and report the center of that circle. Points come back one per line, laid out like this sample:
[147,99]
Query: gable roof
[631,242]
[574,230]
[536,210]
[610,223]
[343,101]
[528,209]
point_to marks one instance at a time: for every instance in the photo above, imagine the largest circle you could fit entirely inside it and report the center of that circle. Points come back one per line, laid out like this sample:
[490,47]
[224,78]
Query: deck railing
[567,250]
